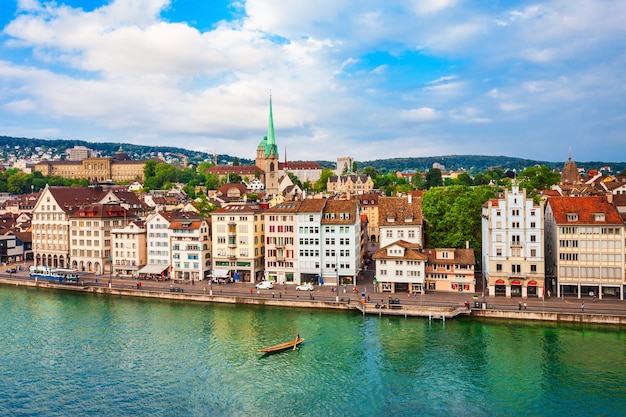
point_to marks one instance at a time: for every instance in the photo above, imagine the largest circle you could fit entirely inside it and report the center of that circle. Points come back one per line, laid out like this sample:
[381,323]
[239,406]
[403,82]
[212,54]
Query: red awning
[532,284]
[500,282]
[516,283]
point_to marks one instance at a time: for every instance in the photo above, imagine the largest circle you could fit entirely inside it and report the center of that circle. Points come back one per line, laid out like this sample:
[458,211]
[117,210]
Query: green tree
[371,171]
[204,206]
[433,178]
[537,178]
[235,161]
[204,166]
[212,182]
[19,183]
[294,178]
[320,185]
[453,216]
[417,180]
[355,167]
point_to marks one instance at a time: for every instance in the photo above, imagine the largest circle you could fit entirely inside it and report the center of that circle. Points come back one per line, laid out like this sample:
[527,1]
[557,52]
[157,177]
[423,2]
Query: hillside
[19,148]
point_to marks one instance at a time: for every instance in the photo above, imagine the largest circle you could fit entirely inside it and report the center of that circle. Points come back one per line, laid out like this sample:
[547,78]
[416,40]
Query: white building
[158,244]
[191,247]
[400,268]
[400,218]
[513,246]
[308,239]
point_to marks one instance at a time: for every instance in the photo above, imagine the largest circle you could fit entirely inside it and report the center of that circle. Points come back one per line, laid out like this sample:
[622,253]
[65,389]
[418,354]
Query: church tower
[267,157]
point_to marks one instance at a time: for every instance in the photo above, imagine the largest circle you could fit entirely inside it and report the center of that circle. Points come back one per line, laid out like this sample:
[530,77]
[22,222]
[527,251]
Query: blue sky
[362,78]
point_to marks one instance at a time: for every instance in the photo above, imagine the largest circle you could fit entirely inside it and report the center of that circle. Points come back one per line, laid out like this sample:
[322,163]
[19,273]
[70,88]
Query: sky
[369,79]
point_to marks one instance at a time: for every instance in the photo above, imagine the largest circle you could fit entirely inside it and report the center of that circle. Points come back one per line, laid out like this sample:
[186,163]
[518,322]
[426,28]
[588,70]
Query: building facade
[129,248]
[585,246]
[400,218]
[280,243]
[191,248]
[512,245]
[400,268]
[238,241]
[450,270]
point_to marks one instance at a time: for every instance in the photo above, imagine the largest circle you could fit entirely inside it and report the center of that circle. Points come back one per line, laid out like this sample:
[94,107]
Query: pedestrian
[524,305]
[250,291]
[519,307]
[582,307]
[368,298]
[280,295]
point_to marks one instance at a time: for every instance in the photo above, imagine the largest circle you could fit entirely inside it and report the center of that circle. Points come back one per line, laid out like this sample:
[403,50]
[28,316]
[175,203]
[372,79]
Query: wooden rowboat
[283,346]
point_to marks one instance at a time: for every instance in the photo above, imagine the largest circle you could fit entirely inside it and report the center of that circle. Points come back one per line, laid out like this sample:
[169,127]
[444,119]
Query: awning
[220,273]
[532,284]
[153,269]
[500,282]
[516,283]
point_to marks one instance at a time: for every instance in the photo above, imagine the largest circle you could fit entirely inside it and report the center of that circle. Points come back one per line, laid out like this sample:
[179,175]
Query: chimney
[410,198]
[467,244]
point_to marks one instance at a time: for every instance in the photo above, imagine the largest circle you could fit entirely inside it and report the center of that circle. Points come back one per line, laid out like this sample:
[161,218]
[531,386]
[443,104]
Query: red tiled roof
[584,207]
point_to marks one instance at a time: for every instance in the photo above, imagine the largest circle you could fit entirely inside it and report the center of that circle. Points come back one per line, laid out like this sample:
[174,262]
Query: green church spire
[270,146]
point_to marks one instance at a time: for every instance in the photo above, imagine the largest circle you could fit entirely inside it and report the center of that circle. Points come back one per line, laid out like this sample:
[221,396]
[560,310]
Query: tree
[212,182]
[235,161]
[371,172]
[433,178]
[417,180]
[204,206]
[355,167]
[320,185]
[294,178]
[204,166]
[453,216]
[537,178]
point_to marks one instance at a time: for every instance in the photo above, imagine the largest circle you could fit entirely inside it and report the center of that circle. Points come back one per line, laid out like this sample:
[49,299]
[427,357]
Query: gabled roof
[312,205]
[397,211]
[461,257]
[338,207]
[411,253]
[584,207]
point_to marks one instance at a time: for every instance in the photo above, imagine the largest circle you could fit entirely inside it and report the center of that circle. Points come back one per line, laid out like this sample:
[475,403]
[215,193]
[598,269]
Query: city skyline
[539,80]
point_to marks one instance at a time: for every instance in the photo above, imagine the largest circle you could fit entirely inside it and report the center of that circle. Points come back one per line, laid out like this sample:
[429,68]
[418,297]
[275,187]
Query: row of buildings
[319,241]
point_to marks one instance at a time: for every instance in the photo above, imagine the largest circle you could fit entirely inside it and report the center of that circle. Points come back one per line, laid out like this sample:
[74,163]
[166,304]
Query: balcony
[232,257]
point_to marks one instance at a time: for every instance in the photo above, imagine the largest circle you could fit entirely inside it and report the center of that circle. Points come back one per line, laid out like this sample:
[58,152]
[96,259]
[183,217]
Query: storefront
[500,287]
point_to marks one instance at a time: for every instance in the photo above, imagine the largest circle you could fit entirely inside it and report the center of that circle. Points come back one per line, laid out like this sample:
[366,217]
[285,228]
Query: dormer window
[572,217]
[598,217]
[391,219]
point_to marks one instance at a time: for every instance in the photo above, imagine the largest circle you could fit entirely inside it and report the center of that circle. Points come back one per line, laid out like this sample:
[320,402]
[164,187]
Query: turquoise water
[64,354]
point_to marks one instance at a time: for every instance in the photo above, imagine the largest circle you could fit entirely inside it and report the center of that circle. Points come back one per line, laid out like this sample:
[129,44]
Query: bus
[59,275]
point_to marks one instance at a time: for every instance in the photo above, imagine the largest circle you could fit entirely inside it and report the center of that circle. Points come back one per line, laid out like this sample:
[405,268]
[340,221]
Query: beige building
[585,246]
[51,222]
[238,242]
[450,270]
[119,168]
[369,207]
[90,241]
[350,184]
[129,248]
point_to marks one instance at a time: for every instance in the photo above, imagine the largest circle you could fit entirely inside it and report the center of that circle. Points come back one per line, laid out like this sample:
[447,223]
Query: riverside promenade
[433,305]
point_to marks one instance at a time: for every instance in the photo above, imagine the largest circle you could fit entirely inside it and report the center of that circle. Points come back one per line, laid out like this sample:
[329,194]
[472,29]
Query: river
[67,354]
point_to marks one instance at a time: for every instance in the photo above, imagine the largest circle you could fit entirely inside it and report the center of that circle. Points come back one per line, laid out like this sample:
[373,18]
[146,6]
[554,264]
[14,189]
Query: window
[499,267]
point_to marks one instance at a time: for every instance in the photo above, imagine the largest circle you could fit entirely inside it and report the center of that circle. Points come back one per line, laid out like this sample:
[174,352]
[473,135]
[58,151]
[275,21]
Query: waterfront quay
[433,305]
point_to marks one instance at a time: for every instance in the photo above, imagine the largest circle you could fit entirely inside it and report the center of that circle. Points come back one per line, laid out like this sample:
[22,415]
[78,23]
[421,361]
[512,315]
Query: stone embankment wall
[433,312]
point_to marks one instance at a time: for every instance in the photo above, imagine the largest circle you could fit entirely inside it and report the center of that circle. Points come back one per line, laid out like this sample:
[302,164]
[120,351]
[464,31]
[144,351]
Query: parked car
[175,289]
[304,287]
[11,270]
[265,285]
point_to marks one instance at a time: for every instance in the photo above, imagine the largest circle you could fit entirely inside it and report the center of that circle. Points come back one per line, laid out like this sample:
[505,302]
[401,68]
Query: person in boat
[298,336]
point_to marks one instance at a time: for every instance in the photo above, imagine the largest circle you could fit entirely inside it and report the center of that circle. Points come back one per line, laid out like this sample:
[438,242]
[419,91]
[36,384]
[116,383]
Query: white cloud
[421,115]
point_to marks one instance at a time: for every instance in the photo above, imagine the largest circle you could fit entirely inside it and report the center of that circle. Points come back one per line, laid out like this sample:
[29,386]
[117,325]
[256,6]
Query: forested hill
[478,163]
[25,147]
